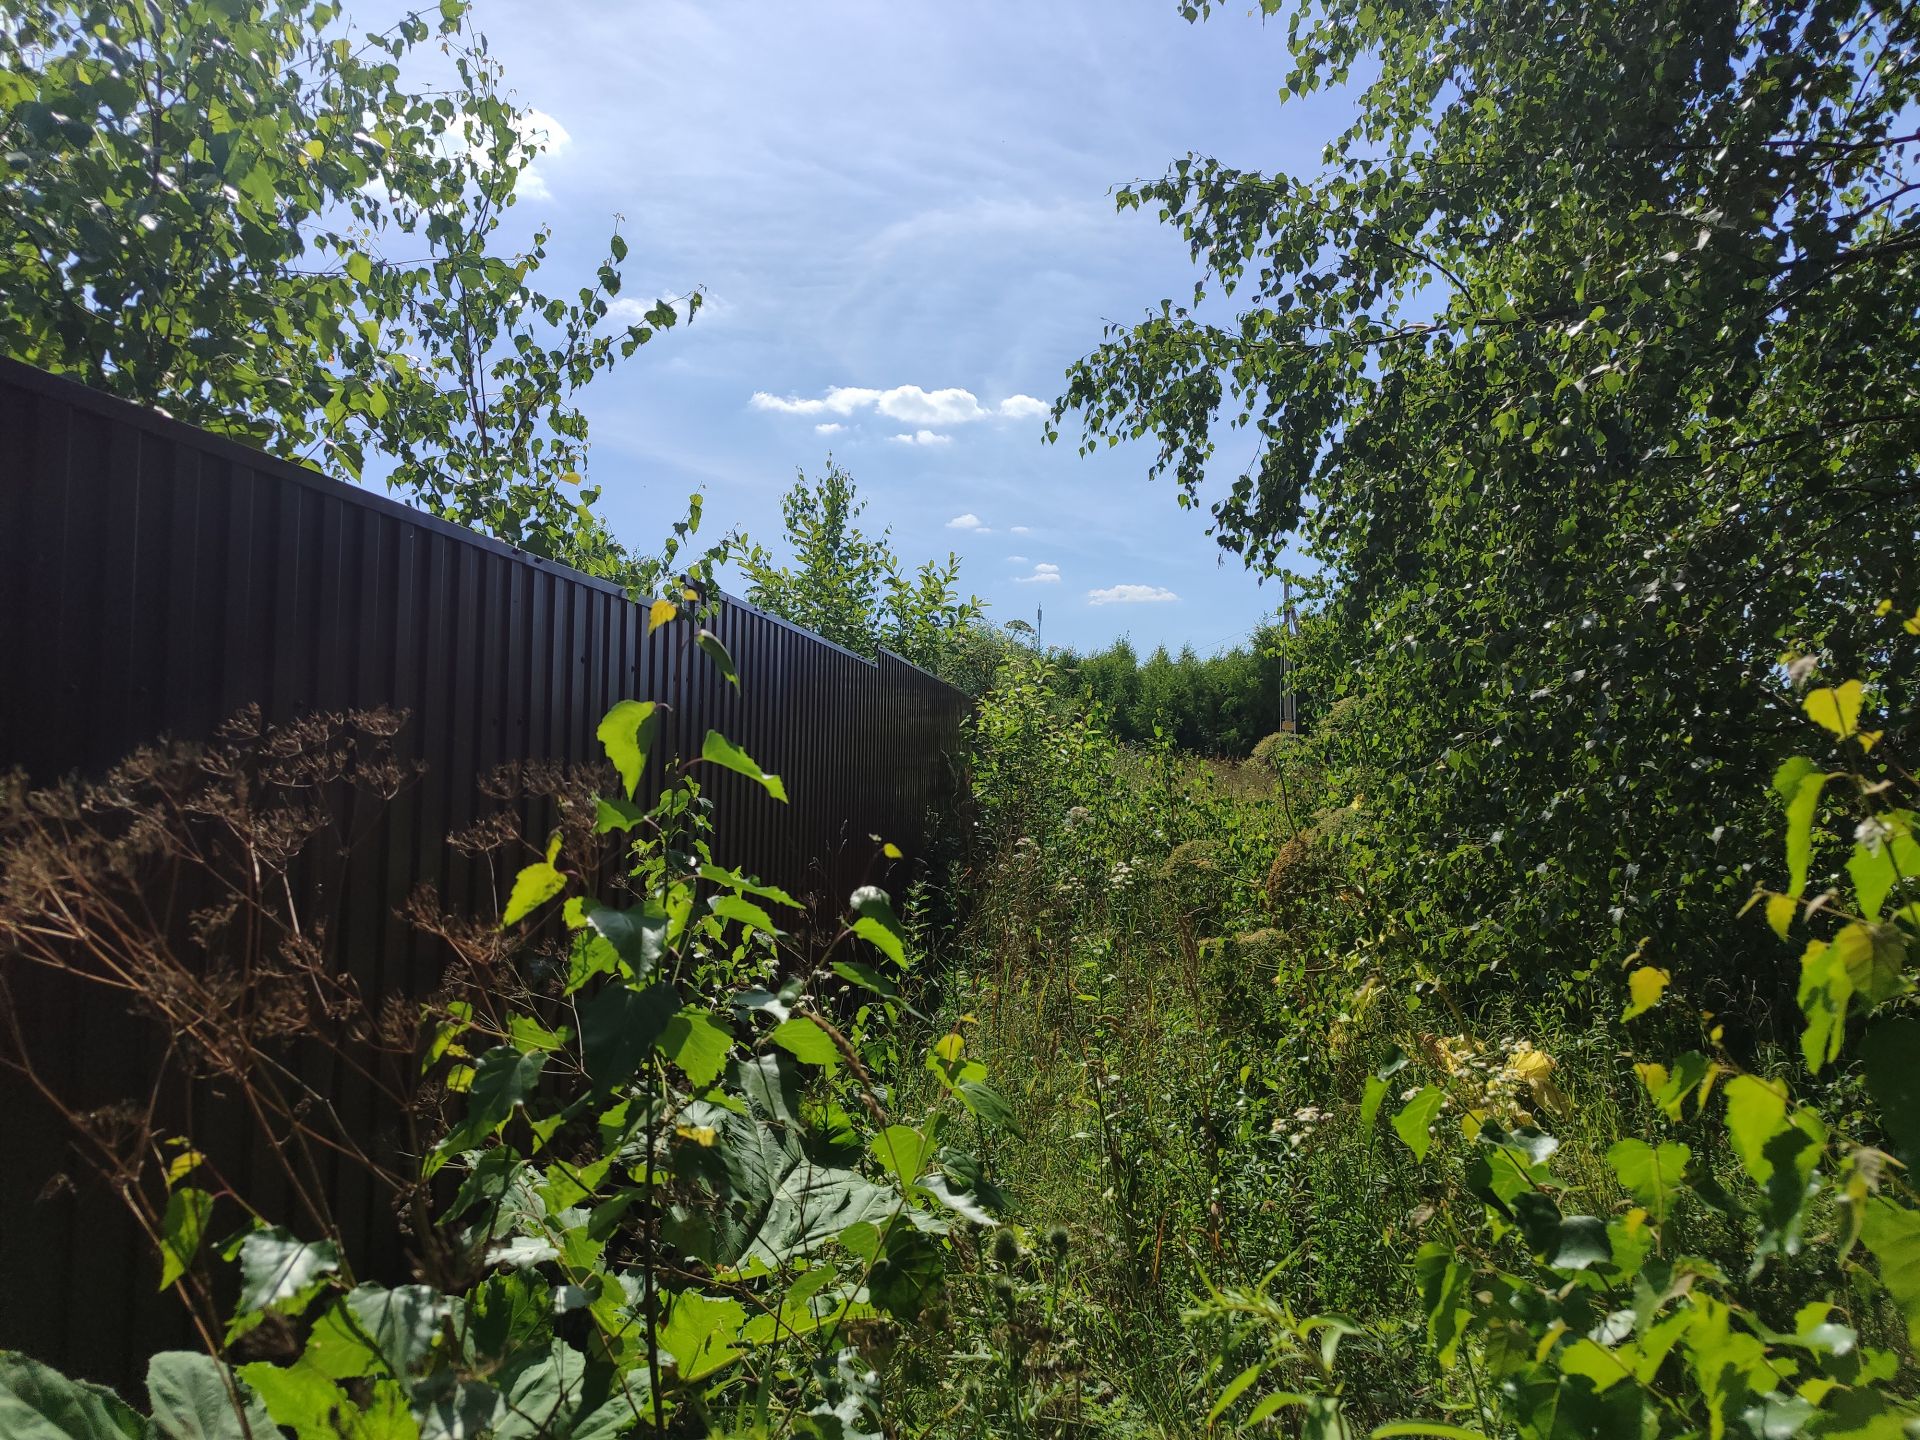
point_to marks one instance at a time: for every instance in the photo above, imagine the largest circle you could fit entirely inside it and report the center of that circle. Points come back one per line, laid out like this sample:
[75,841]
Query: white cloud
[968,521]
[541,134]
[906,403]
[832,427]
[1019,530]
[924,437]
[1043,574]
[1130,595]
[840,400]
[1016,559]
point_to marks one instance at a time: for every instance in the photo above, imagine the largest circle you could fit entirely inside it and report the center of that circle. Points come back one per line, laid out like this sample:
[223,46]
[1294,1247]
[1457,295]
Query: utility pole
[1038,613]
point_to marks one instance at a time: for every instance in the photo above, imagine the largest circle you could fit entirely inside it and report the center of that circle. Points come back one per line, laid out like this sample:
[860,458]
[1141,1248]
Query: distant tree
[850,587]
[248,214]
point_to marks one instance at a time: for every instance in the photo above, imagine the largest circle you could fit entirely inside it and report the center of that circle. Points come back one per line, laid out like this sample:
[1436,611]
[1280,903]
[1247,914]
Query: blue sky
[900,217]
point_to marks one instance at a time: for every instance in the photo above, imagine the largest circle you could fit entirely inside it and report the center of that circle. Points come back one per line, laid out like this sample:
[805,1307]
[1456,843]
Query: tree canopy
[1585,371]
[853,588]
[261,220]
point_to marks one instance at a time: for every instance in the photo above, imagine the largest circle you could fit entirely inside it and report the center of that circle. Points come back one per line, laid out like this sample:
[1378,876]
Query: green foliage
[1221,705]
[1569,370]
[853,589]
[254,216]
[660,1196]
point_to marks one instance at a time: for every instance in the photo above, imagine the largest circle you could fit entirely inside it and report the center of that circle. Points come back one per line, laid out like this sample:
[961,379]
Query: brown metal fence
[155,579]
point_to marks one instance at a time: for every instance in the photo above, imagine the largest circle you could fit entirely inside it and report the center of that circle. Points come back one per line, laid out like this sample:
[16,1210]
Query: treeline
[1213,705]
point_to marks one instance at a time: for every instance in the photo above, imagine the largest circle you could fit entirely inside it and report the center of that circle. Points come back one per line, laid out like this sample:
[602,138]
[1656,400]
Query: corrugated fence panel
[156,579]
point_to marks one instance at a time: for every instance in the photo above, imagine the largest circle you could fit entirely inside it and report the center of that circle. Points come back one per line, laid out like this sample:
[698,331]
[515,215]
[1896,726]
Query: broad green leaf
[886,941]
[1376,1091]
[985,1103]
[716,749]
[402,1324]
[1875,957]
[615,814]
[1825,990]
[1756,1112]
[734,880]
[807,1043]
[638,934]
[700,1332]
[618,1028]
[182,1229]
[865,976]
[299,1397]
[1651,1175]
[877,924]
[532,888]
[1836,709]
[37,1402]
[698,1043]
[503,1080]
[1800,784]
[276,1269]
[192,1397]
[626,734]
[711,647]
[1444,1286]
[1890,1061]
[1645,986]
[902,1151]
[743,912]
[1414,1123]
[1892,1232]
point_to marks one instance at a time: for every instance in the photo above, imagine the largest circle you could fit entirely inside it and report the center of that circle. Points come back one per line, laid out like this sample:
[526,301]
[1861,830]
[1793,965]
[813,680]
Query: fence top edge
[81,396]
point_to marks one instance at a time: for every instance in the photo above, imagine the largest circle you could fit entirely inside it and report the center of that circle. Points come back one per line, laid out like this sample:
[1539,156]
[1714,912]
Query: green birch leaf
[182,1229]
[716,749]
[626,734]
[1376,1091]
[532,888]
[1756,1112]
[1890,1061]
[1892,1232]
[1414,1123]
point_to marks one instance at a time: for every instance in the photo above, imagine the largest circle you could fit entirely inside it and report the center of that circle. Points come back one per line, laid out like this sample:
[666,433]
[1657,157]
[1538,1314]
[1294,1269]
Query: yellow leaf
[1653,1075]
[1644,987]
[181,1165]
[701,1135]
[662,612]
[688,594]
[1836,709]
[1780,910]
[1885,607]
[891,851]
[1869,738]
[948,1047]
[1912,627]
